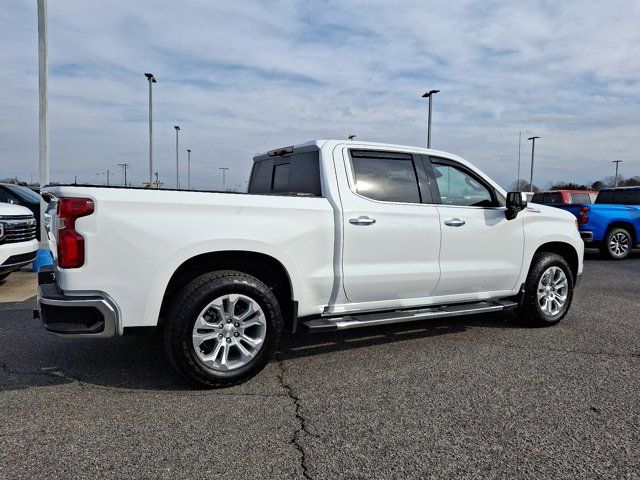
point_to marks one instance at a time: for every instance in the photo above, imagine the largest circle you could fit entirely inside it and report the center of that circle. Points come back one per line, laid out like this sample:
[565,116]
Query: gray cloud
[241,77]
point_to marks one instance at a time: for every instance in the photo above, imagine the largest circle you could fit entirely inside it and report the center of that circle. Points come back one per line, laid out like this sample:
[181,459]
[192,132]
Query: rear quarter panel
[136,239]
[601,215]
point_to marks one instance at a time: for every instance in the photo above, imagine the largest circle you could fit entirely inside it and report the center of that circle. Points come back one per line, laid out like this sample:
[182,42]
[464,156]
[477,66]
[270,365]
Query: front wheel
[548,291]
[617,244]
[222,329]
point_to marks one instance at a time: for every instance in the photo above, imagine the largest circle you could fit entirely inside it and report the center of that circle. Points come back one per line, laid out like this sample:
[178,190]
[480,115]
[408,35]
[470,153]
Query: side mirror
[516,201]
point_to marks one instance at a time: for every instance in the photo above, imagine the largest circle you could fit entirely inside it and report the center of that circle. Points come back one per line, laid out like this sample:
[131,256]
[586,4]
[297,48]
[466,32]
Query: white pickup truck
[331,235]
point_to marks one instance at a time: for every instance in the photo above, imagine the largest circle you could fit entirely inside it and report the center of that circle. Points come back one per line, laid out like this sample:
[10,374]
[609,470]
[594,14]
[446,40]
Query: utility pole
[615,181]
[533,149]
[75,179]
[108,173]
[519,145]
[151,80]
[428,95]
[177,158]
[157,181]
[224,177]
[43,114]
[97,178]
[124,166]
[188,168]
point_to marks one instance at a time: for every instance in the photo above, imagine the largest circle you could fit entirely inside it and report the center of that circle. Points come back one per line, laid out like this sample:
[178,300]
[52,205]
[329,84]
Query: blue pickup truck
[612,223]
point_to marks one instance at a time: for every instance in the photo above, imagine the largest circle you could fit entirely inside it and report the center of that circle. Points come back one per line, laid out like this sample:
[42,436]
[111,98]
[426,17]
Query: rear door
[481,250]
[391,228]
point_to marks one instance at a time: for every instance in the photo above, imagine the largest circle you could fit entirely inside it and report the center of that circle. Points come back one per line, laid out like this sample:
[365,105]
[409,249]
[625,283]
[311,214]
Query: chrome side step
[399,316]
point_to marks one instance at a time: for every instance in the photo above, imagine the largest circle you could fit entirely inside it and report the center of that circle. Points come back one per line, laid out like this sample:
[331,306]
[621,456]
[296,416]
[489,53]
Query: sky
[247,76]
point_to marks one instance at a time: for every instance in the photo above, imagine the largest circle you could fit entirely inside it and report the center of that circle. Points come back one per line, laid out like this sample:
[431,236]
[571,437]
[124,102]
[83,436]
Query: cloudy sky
[244,76]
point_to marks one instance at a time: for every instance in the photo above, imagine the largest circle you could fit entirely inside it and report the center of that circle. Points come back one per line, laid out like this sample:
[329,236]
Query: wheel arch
[628,226]
[264,267]
[566,251]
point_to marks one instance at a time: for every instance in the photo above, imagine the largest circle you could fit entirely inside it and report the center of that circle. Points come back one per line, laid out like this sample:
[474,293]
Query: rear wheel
[617,244]
[222,329]
[548,291]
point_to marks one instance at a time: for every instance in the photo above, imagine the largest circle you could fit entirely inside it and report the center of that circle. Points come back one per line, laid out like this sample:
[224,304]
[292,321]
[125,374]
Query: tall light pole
[224,177]
[151,80]
[428,95]
[188,169]
[615,181]
[533,149]
[43,255]
[177,158]
[519,145]
[124,166]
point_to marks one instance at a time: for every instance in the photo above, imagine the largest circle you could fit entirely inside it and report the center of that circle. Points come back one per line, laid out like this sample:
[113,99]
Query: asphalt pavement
[476,397]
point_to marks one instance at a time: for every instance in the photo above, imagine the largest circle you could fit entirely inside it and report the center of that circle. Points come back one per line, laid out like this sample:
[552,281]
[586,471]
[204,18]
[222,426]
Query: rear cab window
[287,171]
[580,198]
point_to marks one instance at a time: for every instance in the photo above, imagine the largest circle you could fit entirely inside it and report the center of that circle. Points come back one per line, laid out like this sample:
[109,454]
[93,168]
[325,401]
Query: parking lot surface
[477,397]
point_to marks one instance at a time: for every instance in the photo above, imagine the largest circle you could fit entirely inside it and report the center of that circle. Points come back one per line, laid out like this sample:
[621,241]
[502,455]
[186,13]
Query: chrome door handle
[454,222]
[362,221]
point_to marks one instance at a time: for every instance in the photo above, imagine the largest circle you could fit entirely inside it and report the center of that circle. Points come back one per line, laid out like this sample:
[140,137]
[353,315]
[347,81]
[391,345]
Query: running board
[400,316]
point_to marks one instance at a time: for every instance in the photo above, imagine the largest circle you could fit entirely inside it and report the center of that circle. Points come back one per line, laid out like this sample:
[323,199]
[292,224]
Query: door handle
[362,221]
[454,222]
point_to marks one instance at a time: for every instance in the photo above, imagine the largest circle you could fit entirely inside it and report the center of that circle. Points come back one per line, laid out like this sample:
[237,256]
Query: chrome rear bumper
[92,315]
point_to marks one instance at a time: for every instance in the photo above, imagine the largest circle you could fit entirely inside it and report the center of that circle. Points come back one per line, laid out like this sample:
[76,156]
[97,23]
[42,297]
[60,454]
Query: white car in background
[18,242]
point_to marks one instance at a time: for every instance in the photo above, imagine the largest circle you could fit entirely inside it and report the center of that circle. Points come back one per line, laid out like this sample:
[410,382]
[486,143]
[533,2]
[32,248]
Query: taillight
[582,215]
[70,242]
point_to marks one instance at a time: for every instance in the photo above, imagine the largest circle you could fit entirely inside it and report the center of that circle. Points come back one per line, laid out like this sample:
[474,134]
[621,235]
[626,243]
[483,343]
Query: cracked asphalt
[476,397]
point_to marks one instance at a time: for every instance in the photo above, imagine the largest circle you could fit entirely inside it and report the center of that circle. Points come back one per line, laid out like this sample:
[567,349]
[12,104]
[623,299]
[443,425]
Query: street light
[124,166]
[428,95]
[177,158]
[615,181]
[188,169]
[533,149]
[224,177]
[151,80]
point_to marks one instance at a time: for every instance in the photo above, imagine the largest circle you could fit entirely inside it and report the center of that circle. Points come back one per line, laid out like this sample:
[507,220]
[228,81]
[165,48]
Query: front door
[481,250]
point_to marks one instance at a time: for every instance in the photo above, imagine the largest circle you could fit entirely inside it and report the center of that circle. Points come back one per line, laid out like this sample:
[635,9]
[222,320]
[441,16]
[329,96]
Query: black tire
[183,314]
[620,237]
[530,312]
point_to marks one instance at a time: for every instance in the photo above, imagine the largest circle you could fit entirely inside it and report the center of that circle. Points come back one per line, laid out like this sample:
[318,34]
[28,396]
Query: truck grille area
[17,229]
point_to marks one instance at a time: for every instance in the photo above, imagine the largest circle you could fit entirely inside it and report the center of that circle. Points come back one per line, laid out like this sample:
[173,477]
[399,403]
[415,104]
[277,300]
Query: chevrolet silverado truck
[331,235]
[612,223]
[18,242]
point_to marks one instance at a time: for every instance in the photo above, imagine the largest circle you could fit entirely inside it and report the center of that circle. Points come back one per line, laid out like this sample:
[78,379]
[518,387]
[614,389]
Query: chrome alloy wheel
[553,289]
[619,244]
[229,332]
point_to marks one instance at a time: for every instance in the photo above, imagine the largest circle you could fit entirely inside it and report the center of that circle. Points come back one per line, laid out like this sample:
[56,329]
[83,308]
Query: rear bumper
[586,236]
[93,315]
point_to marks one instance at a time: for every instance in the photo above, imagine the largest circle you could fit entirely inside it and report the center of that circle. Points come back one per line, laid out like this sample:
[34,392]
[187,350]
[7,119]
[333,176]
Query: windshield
[23,193]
